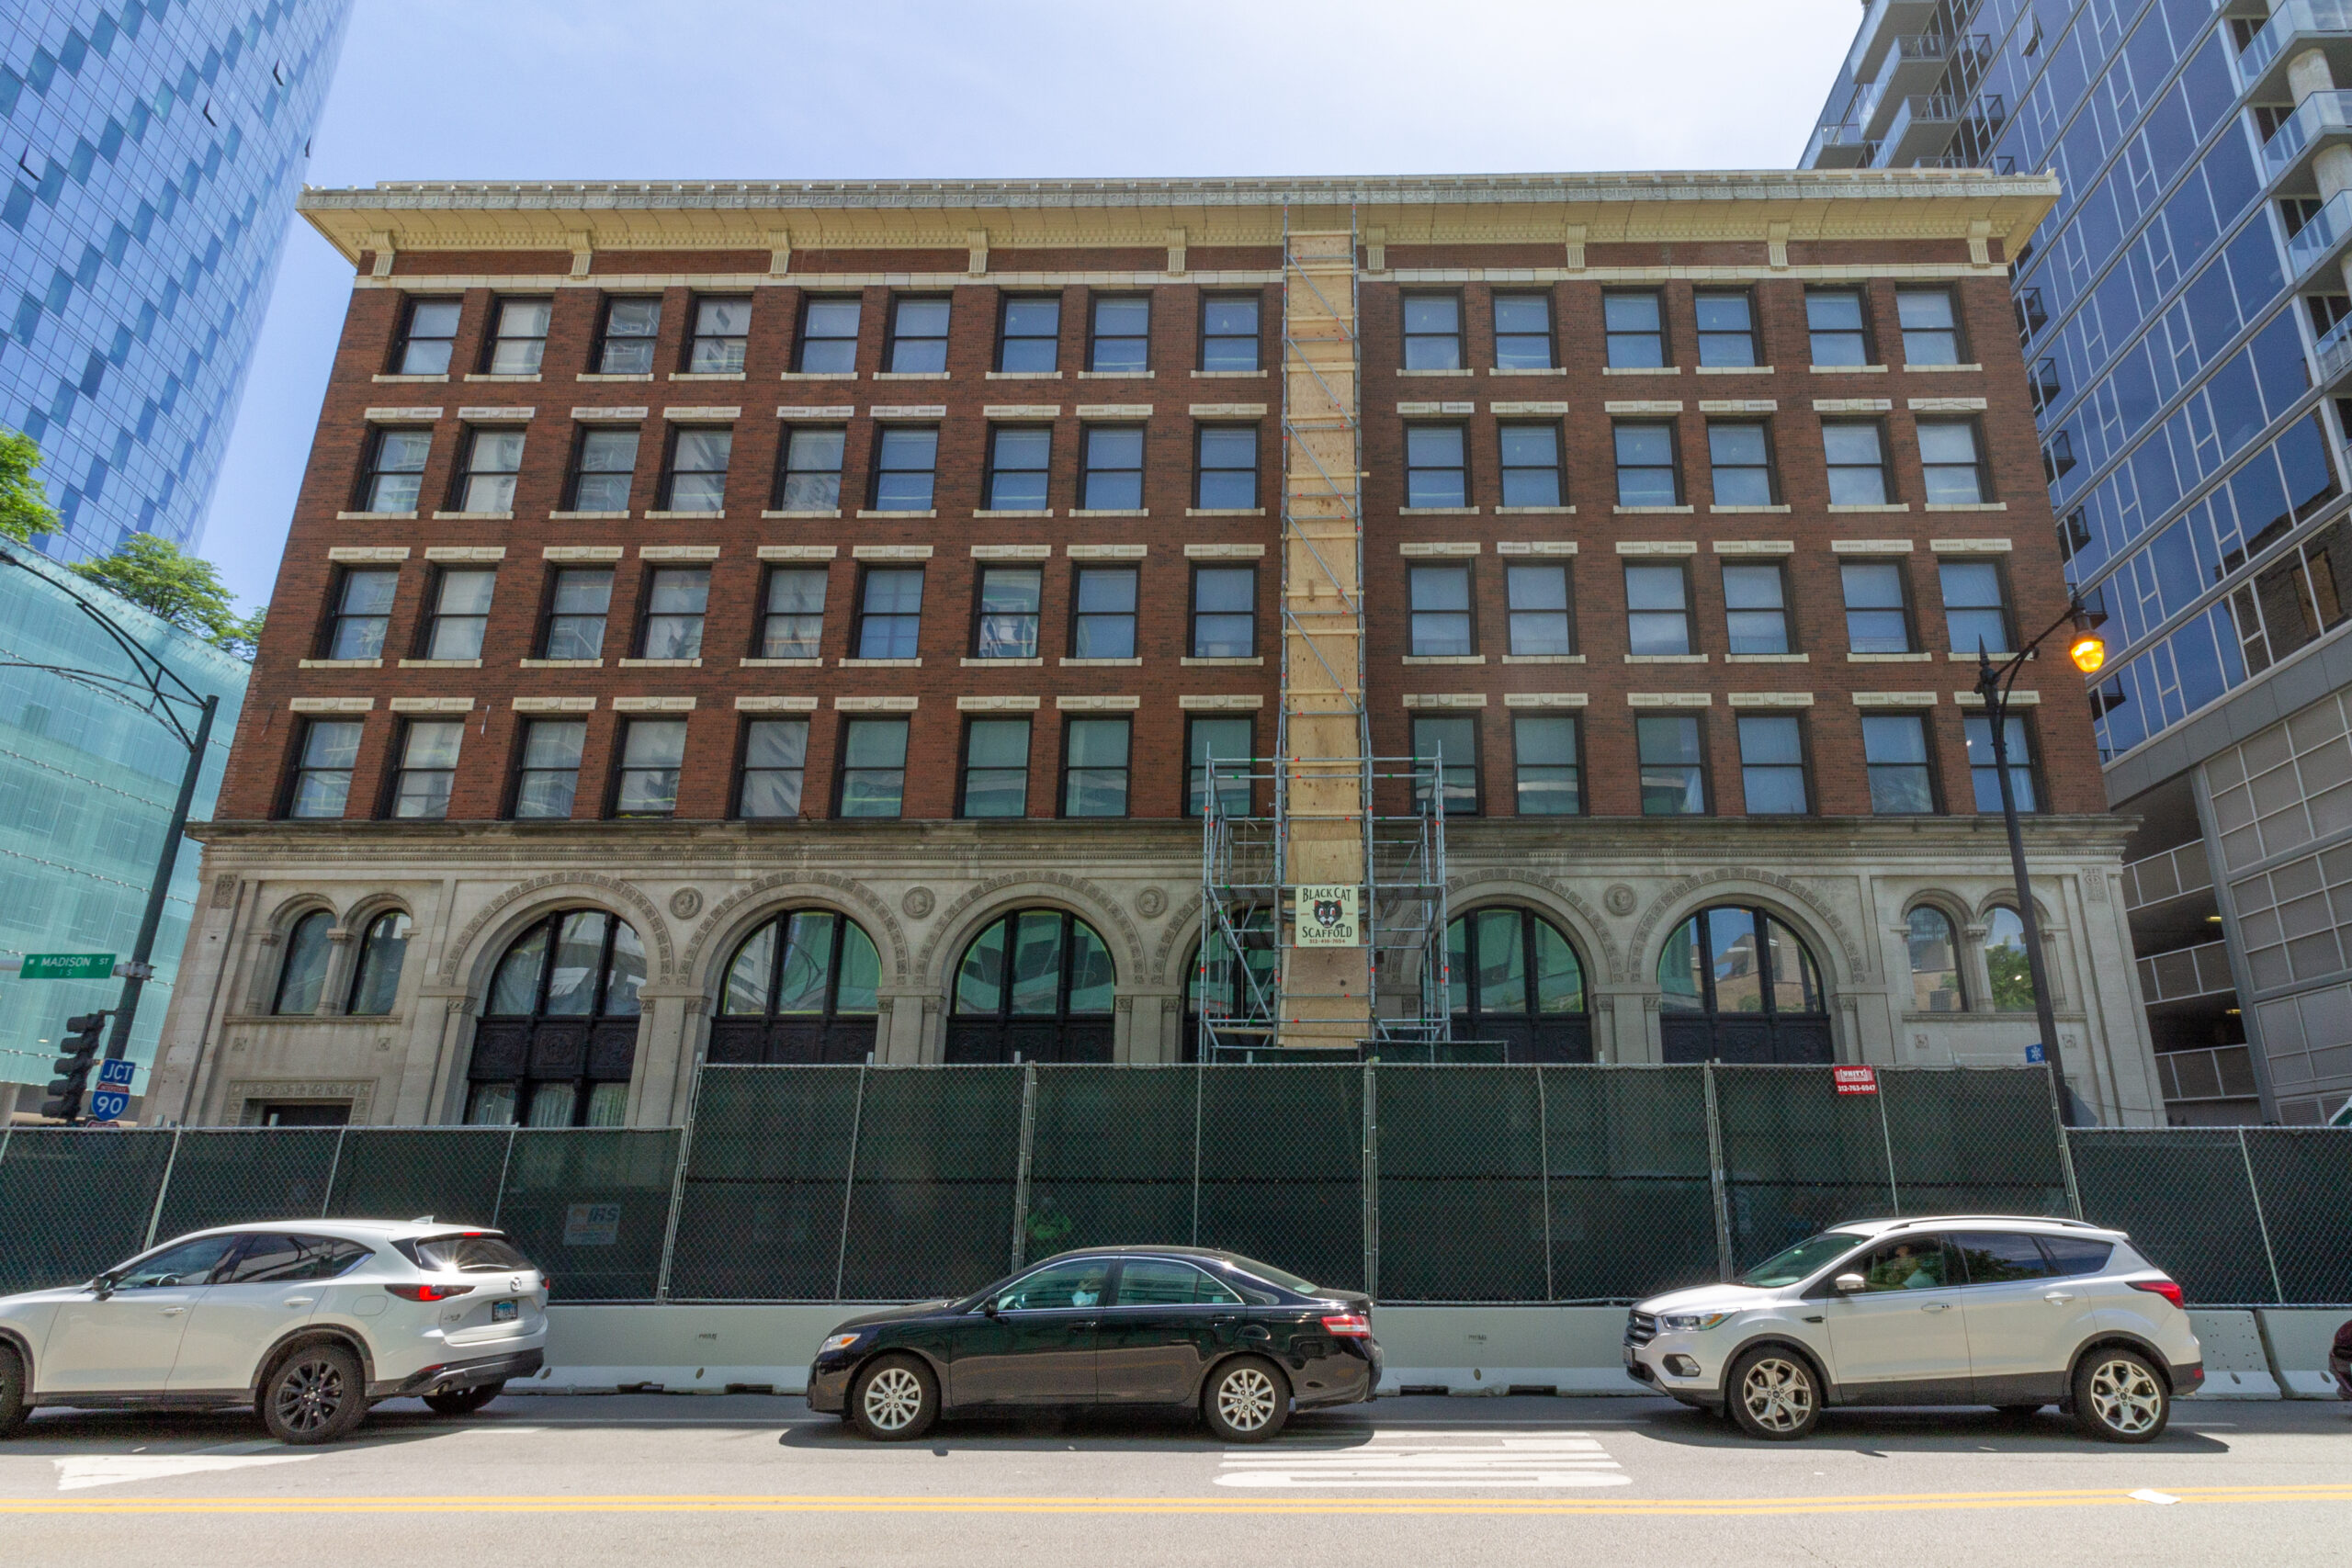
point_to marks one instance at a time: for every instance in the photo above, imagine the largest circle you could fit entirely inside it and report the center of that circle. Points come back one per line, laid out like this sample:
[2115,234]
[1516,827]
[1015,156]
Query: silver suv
[1957,1309]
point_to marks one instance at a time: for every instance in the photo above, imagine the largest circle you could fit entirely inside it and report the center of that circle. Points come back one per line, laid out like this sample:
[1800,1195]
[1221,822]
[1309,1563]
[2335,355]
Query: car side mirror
[1847,1284]
[103,1286]
[989,1309]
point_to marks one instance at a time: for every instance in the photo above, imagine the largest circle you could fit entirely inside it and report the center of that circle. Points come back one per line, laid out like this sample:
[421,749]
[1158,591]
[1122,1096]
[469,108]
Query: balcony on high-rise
[2321,120]
[1919,132]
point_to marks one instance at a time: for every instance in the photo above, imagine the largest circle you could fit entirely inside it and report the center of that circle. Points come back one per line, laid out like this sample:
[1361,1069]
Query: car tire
[894,1399]
[1247,1400]
[15,1408]
[316,1393]
[465,1401]
[1773,1393]
[2121,1398]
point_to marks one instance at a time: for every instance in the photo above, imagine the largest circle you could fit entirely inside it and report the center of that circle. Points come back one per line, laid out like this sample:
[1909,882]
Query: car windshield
[1804,1258]
[475,1252]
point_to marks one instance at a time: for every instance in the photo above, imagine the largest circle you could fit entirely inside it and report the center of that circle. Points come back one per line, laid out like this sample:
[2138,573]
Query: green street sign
[66,966]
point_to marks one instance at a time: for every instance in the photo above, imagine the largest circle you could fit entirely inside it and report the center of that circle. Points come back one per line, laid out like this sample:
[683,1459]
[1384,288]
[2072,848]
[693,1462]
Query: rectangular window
[1104,623]
[653,753]
[1112,481]
[1755,609]
[1543,623]
[1094,773]
[548,780]
[889,613]
[1531,455]
[1548,779]
[1832,319]
[1673,767]
[1432,332]
[697,478]
[1121,340]
[493,458]
[1017,468]
[996,767]
[430,336]
[1726,328]
[1987,777]
[1225,611]
[460,613]
[1007,626]
[1647,472]
[1440,626]
[363,609]
[874,767]
[1229,742]
[1523,331]
[322,772]
[1446,750]
[1771,765]
[675,602]
[520,343]
[904,462]
[1740,464]
[1876,620]
[828,344]
[793,624]
[428,768]
[918,336]
[775,757]
[721,327]
[811,480]
[601,474]
[1894,750]
[1658,610]
[583,597]
[1930,329]
[631,326]
[395,470]
[1950,463]
[1226,474]
[1029,336]
[1436,471]
[1856,459]
[1229,332]
[1637,331]
[1974,611]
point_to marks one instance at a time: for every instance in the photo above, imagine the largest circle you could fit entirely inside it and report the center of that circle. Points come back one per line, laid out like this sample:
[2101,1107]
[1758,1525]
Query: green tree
[24,500]
[159,577]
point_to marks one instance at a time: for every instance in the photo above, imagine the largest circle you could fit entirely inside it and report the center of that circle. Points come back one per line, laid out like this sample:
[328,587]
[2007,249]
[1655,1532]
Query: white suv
[308,1322]
[1960,1309]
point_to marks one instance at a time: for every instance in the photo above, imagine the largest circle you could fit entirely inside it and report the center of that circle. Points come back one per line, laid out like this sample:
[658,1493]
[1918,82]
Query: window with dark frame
[1878,620]
[1436,467]
[546,781]
[828,344]
[1835,326]
[676,600]
[1931,326]
[918,336]
[494,460]
[1229,332]
[1894,754]
[1113,476]
[1006,623]
[2016,740]
[1225,611]
[776,760]
[1434,331]
[905,462]
[810,479]
[873,767]
[889,613]
[1029,336]
[1523,331]
[697,479]
[460,613]
[1635,329]
[1726,327]
[722,327]
[1547,776]
[1440,623]
[322,785]
[996,768]
[1119,335]
[1771,765]
[576,973]
[604,470]
[1739,461]
[428,337]
[1019,461]
[1977,612]
[1103,623]
[395,473]
[363,610]
[792,623]
[1856,453]
[518,345]
[581,598]
[1672,760]
[1756,608]
[1227,741]
[1446,750]
[1531,464]
[428,769]
[1225,467]
[1658,609]
[653,752]
[1543,617]
[1952,462]
[1094,766]
[1647,474]
[631,329]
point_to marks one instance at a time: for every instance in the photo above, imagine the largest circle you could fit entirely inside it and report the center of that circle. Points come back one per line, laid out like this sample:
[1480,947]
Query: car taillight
[2165,1287]
[1348,1325]
[428,1292]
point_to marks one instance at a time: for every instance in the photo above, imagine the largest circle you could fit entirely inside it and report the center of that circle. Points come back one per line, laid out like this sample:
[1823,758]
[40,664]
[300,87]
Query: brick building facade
[886,556]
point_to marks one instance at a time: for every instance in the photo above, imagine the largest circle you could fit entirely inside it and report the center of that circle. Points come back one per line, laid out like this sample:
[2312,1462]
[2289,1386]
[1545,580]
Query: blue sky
[880,89]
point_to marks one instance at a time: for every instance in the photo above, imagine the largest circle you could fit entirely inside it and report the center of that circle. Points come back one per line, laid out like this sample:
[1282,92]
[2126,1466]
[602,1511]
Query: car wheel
[317,1394]
[1774,1395]
[894,1400]
[1247,1401]
[465,1401]
[2120,1398]
[12,1407]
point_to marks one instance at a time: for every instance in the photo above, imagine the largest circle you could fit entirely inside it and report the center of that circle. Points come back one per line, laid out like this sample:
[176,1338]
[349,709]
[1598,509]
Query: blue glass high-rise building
[150,154]
[2186,323]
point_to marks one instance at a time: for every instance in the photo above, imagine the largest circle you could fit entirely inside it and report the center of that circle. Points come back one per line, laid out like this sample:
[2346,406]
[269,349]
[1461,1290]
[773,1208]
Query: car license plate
[504,1312]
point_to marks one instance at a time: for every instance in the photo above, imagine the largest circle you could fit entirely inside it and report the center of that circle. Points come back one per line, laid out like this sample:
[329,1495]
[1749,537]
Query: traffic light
[85,1037]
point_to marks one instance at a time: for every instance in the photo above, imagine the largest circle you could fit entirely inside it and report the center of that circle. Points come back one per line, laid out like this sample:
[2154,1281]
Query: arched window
[1935,962]
[1037,984]
[1214,972]
[800,988]
[377,979]
[1514,979]
[558,1037]
[1737,985]
[304,980]
[2006,969]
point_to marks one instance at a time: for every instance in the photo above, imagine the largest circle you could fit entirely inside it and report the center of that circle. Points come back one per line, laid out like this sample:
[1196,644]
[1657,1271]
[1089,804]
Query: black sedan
[1179,1327]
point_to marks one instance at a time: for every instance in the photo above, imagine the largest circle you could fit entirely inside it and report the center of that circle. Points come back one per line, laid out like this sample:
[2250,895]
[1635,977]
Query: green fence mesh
[1633,1207]
[931,1192]
[244,1175]
[1798,1157]
[767,1184]
[592,1207]
[1110,1158]
[2184,1196]
[1461,1165]
[450,1173]
[1973,1141]
[1281,1167]
[2304,1176]
[72,1202]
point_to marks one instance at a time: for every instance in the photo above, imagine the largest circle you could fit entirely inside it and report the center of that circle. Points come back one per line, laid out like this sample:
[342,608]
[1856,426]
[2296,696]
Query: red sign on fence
[1855,1080]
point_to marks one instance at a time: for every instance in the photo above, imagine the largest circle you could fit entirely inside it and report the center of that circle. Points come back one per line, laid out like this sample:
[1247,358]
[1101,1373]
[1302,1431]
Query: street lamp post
[1994,683]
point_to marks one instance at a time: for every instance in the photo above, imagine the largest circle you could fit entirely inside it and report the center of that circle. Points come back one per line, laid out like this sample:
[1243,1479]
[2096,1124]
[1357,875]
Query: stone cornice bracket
[1572,238]
[381,242]
[978,238]
[1776,241]
[1375,250]
[1176,238]
[779,252]
[1980,235]
[582,251]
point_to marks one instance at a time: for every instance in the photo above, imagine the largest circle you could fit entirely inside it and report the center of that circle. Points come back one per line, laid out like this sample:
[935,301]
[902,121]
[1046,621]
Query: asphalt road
[653,1479]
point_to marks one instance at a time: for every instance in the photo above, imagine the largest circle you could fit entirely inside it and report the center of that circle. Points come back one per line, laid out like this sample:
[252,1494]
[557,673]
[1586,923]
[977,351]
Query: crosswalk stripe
[1474,1460]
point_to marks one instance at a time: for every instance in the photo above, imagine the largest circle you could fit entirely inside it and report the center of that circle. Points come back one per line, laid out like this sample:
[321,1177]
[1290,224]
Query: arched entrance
[1737,985]
[1037,984]
[800,988]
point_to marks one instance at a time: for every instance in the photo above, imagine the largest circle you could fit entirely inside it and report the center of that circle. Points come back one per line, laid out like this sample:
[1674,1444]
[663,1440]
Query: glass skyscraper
[152,150]
[2185,321]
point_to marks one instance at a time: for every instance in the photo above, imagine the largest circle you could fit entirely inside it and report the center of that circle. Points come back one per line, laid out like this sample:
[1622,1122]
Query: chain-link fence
[1422,1183]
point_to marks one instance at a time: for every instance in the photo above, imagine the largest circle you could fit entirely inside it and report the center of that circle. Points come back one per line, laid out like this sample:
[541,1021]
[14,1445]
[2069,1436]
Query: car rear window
[1272,1275]
[2077,1254]
[474,1252]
